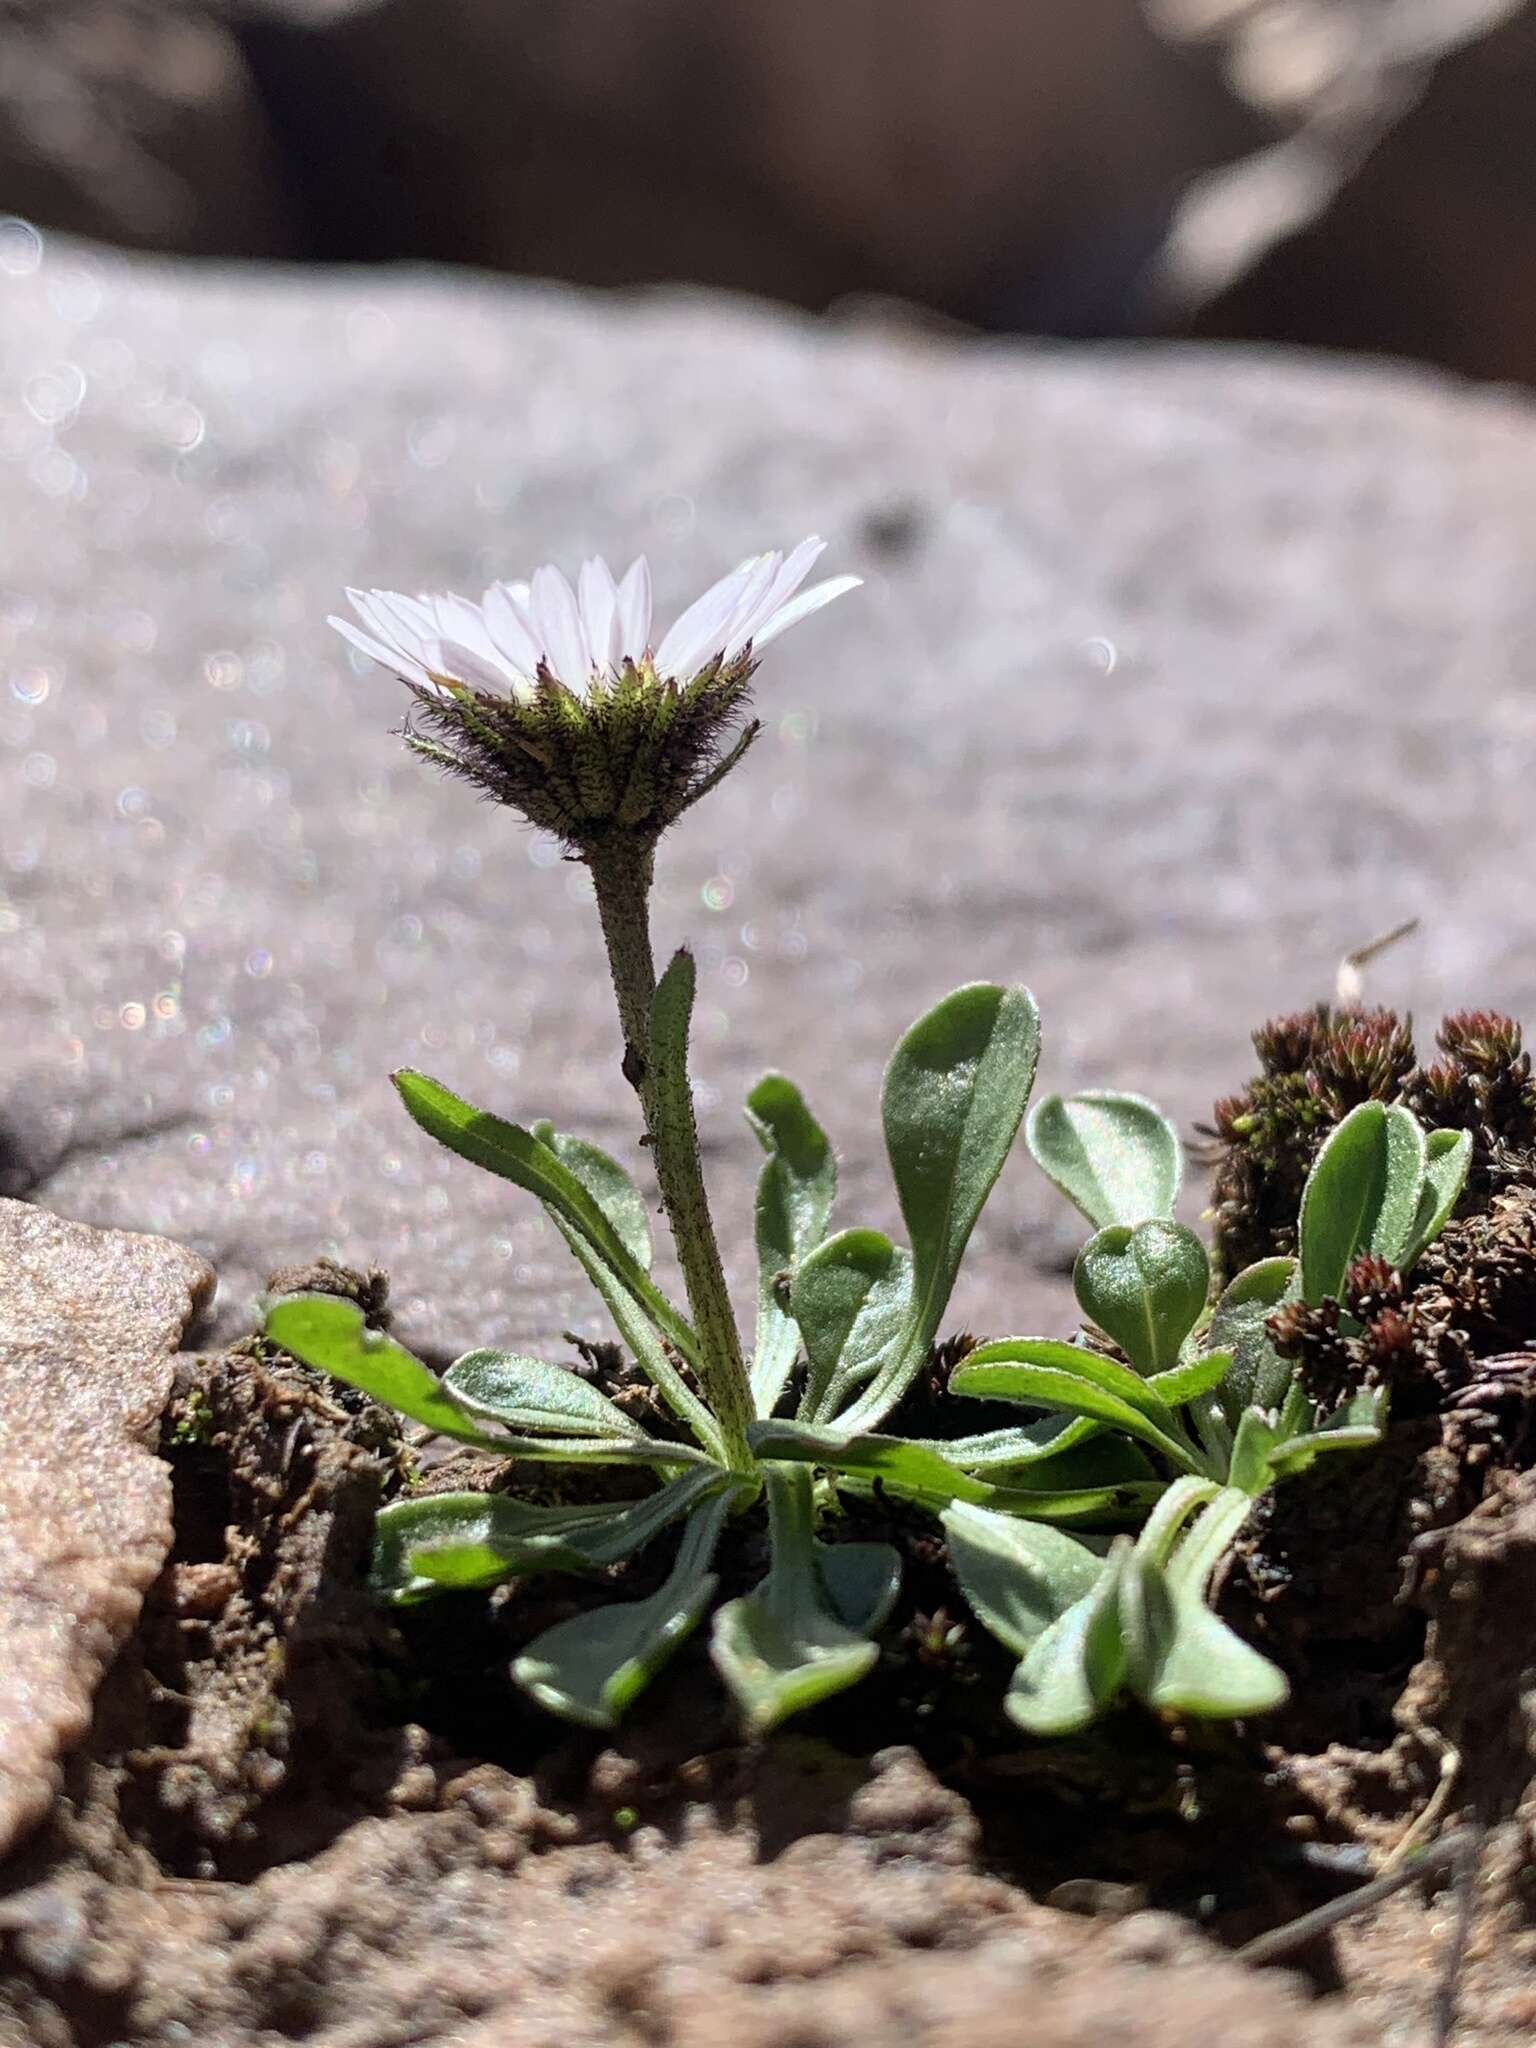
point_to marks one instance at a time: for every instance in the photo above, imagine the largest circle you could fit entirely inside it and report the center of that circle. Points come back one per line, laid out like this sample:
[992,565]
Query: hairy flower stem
[622,868]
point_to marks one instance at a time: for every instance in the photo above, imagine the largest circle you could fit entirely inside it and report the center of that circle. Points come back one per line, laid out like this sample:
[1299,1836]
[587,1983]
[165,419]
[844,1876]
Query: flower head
[555,700]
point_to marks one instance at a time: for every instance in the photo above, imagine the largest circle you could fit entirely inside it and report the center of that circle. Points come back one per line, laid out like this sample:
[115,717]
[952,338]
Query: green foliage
[1084,1536]
[1115,1157]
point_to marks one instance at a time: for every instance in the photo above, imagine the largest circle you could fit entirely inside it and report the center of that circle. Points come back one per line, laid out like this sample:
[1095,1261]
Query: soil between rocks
[280,1829]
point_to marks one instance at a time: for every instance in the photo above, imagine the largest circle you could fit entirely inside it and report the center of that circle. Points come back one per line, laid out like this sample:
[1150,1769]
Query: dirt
[296,1817]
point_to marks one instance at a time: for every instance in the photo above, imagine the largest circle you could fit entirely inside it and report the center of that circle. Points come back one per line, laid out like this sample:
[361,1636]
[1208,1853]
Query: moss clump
[1316,1066]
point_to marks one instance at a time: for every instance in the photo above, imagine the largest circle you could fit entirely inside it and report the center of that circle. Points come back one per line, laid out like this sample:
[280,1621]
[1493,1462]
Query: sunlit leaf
[784,1647]
[852,1301]
[1075,1381]
[954,1096]
[1018,1577]
[1145,1287]
[1115,1157]
[1341,1203]
[610,1187]
[795,1192]
[332,1335]
[920,1473]
[527,1396]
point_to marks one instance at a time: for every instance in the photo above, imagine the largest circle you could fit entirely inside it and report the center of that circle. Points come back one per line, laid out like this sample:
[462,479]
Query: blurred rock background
[1339,172]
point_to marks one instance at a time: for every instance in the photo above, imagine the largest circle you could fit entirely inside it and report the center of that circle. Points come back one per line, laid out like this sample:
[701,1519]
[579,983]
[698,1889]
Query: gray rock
[1177,674]
[88,1322]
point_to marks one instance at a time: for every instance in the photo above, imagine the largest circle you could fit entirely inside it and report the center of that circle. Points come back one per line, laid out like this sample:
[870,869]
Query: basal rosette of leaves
[1085,1536]
[1085,1539]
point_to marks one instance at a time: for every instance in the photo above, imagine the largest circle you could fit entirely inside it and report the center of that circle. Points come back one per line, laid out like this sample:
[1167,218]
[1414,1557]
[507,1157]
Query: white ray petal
[701,630]
[598,599]
[634,608]
[791,573]
[398,664]
[558,620]
[506,620]
[469,665]
[802,606]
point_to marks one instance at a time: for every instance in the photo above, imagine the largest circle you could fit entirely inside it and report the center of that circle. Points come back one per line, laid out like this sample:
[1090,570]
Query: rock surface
[800,1901]
[89,1320]
[1176,675]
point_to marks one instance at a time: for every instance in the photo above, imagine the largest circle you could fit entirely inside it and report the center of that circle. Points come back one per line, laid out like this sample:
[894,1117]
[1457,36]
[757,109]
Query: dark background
[1347,173]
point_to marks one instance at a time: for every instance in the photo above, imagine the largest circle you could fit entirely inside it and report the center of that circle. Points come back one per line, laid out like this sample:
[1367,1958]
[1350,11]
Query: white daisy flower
[590,635]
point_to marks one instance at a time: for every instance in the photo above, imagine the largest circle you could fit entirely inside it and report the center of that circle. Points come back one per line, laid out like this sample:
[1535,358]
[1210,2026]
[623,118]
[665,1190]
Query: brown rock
[88,1322]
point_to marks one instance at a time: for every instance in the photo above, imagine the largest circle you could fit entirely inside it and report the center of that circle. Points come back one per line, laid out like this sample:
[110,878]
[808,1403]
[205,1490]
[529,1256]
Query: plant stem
[622,869]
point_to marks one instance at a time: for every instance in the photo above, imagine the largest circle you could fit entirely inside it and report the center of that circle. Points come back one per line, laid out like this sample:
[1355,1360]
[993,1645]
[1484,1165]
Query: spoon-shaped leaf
[795,1192]
[1071,1672]
[852,1302]
[1017,1577]
[1146,1287]
[785,1647]
[593,1667]
[1341,1203]
[954,1097]
[1115,1157]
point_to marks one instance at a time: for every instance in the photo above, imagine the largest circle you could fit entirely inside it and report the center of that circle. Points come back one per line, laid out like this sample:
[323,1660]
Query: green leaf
[1406,1159]
[1074,1670]
[1342,1201]
[468,1540]
[1115,1157]
[639,1309]
[591,1668]
[332,1335]
[1074,1382]
[1259,1376]
[1017,1577]
[954,1097]
[784,1647]
[1447,1161]
[610,1187]
[1184,1383]
[1249,1469]
[1208,1672]
[920,1473]
[861,1580]
[527,1396]
[795,1192]
[852,1301]
[1145,1287]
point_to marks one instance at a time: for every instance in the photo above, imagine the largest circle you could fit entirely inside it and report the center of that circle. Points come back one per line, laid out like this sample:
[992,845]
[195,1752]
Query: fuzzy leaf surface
[1017,1577]
[852,1302]
[1115,1157]
[593,1667]
[529,1397]
[1447,1161]
[464,1540]
[784,1647]
[609,1185]
[954,1096]
[1342,1202]
[1146,1287]
[795,1192]
[1259,1376]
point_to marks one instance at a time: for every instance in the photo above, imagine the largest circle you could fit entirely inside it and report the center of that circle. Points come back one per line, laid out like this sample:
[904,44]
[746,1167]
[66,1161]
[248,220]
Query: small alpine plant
[1087,1535]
